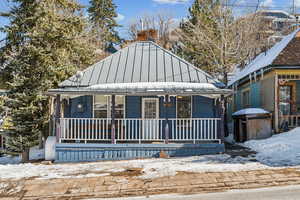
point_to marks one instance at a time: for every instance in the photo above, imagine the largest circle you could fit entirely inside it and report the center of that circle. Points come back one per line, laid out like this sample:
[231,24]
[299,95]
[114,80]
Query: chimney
[147,35]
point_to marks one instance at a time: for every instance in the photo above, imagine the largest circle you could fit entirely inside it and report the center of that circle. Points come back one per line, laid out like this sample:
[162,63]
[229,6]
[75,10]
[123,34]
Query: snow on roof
[277,12]
[153,86]
[156,88]
[250,111]
[264,59]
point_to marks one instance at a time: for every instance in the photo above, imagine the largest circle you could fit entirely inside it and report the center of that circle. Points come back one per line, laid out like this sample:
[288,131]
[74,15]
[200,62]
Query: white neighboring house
[278,20]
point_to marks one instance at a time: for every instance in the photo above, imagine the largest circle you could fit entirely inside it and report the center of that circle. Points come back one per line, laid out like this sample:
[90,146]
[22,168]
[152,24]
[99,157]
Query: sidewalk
[128,183]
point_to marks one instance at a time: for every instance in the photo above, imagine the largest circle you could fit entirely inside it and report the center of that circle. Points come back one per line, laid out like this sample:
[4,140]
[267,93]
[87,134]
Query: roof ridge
[105,65]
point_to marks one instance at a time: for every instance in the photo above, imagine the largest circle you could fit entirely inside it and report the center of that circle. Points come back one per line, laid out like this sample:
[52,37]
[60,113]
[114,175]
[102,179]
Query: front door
[150,116]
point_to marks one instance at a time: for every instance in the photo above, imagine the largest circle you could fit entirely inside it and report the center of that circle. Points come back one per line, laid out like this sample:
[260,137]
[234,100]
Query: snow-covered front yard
[278,151]
[151,167]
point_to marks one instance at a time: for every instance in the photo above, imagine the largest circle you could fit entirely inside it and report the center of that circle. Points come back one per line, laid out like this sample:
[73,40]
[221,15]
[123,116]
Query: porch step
[96,152]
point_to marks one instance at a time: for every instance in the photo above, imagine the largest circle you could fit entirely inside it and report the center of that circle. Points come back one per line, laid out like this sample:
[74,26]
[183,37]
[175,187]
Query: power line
[254,6]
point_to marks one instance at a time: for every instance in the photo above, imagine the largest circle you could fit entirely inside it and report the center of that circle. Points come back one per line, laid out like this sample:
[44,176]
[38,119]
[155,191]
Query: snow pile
[230,139]
[279,150]
[152,168]
[34,154]
[206,163]
[250,111]
[78,170]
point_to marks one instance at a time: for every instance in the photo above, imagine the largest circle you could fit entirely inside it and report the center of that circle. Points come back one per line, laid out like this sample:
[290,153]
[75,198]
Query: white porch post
[166,104]
[113,125]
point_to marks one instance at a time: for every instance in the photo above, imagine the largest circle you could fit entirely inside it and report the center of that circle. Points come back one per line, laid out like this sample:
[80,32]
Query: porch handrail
[291,120]
[139,130]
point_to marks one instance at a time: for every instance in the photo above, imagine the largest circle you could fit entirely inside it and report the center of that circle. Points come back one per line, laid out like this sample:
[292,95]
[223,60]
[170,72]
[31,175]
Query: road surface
[273,193]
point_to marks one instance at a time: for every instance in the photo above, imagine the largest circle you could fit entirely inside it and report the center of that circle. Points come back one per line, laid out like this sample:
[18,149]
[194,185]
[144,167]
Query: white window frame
[157,107]
[108,101]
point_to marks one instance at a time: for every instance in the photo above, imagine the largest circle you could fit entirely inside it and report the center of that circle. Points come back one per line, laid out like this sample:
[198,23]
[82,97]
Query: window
[102,106]
[119,107]
[184,107]
[246,99]
[285,99]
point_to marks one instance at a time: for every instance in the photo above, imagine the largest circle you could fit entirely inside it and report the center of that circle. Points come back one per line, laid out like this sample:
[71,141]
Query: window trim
[108,100]
[143,107]
[249,99]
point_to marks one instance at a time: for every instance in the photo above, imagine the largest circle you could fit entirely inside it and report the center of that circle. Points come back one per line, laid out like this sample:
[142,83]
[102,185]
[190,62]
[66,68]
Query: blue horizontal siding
[255,97]
[71,109]
[171,110]
[203,107]
[97,152]
[133,107]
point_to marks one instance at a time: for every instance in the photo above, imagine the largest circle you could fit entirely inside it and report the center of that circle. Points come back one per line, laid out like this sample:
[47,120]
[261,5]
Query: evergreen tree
[44,45]
[102,14]
[203,19]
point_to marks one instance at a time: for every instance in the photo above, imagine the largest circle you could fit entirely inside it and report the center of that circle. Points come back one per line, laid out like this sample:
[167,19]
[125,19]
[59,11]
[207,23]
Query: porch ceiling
[146,88]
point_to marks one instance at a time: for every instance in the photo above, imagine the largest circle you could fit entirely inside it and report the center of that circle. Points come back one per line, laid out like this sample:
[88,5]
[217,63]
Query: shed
[252,123]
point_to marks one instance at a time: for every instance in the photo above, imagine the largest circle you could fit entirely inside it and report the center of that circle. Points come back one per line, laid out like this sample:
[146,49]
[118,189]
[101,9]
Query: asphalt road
[273,193]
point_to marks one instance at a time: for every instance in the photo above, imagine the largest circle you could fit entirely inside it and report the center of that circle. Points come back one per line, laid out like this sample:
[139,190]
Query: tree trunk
[25,156]
[41,144]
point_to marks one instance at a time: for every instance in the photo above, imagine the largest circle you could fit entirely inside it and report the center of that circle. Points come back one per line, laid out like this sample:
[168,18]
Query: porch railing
[139,130]
[291,120]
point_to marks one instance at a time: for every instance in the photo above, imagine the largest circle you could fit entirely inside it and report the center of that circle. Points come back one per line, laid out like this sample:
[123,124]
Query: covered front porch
[188,113]
[288,101]
[178,118]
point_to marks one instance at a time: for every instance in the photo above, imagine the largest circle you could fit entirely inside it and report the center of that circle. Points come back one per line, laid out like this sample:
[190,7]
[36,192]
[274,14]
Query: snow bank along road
[276,163]
[273,193]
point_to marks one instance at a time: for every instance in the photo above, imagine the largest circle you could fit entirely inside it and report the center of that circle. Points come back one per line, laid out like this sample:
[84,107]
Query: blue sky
[131,9]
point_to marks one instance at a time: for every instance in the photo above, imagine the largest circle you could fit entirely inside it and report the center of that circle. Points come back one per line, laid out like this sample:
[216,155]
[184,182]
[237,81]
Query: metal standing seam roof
[142,61]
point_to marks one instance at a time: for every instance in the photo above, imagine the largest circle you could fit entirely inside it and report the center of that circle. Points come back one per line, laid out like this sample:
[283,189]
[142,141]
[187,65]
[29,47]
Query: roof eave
[139,92]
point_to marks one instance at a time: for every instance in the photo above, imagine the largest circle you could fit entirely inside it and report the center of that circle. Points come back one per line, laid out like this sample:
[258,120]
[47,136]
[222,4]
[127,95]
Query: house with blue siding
[272,82]
[138,102]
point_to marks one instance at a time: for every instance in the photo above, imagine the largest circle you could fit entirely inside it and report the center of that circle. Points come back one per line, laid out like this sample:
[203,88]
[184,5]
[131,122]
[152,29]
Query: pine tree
[102,14]
[45,44]
[202,19]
